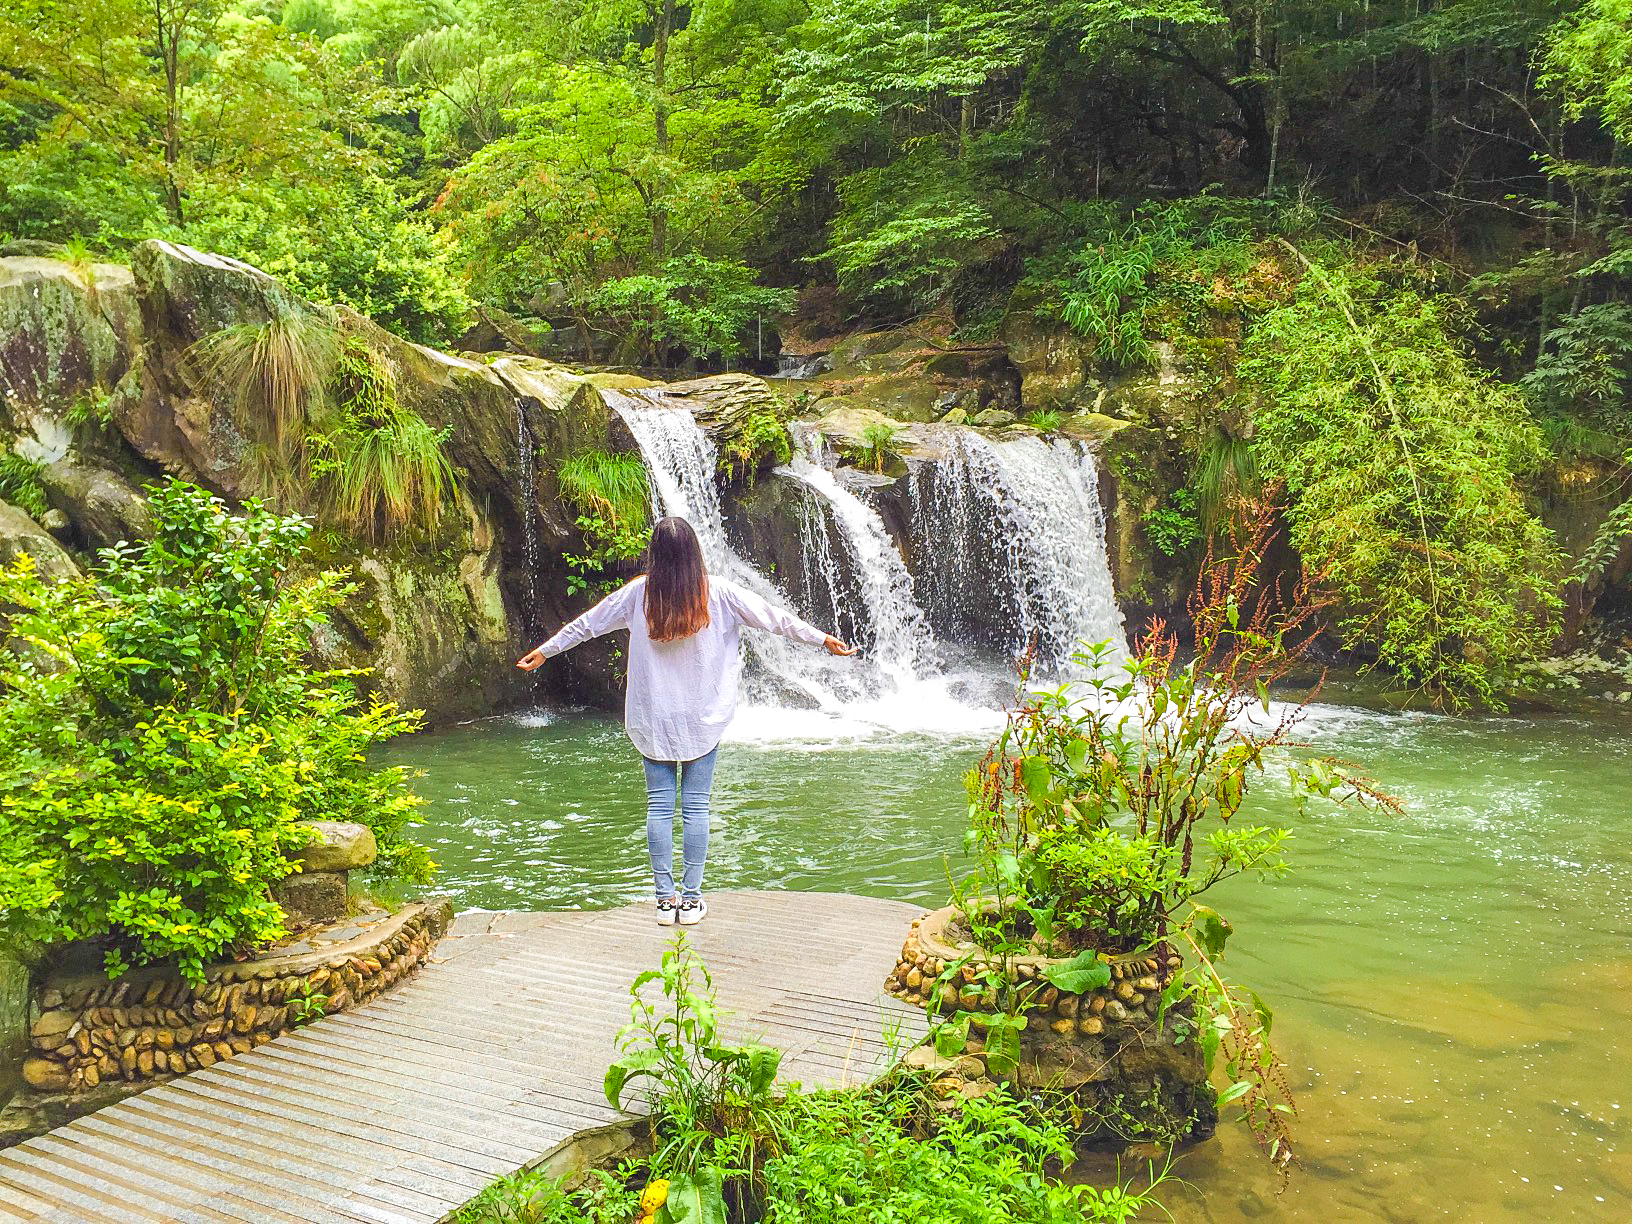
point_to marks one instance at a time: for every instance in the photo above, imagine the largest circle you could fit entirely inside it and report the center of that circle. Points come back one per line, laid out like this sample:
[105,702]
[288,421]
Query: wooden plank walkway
[399,1111]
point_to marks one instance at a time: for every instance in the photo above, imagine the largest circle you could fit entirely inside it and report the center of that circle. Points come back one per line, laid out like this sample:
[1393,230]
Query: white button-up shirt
[682,694]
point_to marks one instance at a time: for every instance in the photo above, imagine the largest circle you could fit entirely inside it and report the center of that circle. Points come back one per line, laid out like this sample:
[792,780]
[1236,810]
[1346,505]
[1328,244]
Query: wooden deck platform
[399,1111]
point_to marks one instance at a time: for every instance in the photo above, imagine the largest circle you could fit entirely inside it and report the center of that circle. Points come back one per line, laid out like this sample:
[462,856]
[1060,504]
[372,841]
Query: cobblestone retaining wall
[1133,1073]
[152,1023]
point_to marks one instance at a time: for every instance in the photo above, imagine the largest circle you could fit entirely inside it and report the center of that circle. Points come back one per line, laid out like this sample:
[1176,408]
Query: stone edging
[1133,995]
[152,1024]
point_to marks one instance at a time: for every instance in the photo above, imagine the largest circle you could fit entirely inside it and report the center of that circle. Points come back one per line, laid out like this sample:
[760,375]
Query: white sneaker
[692,911]
[666,910]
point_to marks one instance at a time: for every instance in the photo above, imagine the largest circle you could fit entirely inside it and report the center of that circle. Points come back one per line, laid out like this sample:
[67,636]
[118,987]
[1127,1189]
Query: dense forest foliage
[1427,200]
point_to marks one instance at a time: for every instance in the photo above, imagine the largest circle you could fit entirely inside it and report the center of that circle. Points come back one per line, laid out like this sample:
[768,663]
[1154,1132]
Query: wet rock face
[66,332]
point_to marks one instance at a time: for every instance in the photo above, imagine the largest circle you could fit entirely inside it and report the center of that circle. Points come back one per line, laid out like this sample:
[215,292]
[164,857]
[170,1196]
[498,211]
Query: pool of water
[1453,986]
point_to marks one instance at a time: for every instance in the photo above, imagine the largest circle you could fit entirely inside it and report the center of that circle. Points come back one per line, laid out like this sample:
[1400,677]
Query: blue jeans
[695,780]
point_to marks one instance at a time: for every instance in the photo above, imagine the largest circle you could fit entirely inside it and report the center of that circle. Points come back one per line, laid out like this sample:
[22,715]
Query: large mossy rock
[1057,367]
[20,534]
[442,611]
[66,332]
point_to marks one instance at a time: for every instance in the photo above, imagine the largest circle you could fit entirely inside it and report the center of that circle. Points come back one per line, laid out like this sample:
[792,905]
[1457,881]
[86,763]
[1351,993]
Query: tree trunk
[660,127]
[170,53]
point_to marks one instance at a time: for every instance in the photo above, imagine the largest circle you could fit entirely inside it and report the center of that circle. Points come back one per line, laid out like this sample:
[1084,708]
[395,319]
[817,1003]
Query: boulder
[1056,366]
[496,331]
[20,534]
[312,896]
[169,415]
[97,502]
[66,331]
[723,403]
[337,845]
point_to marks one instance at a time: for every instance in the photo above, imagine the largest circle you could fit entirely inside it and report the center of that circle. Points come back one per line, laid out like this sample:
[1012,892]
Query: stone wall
[152,1024]
[1133,1072]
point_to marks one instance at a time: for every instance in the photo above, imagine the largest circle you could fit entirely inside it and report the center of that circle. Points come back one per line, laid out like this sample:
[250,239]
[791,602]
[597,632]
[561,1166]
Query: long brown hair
[676,582]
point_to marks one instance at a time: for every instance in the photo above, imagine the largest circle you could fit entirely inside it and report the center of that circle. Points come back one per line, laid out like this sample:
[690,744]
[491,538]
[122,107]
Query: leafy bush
[762,436]
[1174,527]
[349,243]
[728,1151]
[1403,461]
[159,738]
[852,1157]
[1108,806]
[611,493]
[705,1096]
[906,231]
[707,307]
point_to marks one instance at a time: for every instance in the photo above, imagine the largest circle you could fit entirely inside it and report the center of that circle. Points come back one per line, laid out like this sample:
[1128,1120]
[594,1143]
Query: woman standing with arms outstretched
[684,662]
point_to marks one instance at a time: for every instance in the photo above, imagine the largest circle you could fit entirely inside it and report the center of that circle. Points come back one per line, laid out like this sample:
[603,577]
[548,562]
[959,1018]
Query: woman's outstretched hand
[835,646]
[531,661]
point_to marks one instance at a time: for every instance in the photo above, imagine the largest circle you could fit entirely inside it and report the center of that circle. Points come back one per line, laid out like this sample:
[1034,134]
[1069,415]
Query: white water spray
[1015,525]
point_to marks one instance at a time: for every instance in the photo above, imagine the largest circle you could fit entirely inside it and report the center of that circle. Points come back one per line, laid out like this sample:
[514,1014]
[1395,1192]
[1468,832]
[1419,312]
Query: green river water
[1453,986]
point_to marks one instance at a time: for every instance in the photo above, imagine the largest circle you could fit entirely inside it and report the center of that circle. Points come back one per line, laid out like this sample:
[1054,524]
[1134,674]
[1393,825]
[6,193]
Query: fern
[1606,541]
[20,484]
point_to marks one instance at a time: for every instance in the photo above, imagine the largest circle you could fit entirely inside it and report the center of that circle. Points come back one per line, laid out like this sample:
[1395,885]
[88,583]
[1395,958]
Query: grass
[608,485]
[273,373]
[20,484]
[381,465]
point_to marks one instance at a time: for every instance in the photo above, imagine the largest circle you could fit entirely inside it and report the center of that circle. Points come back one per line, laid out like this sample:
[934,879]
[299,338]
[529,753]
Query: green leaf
[641,1062]
[1037,776]
[1212,931]
[1234,1092]
[952,1036]
[1084,971]
[695,1198]
[1003,1045]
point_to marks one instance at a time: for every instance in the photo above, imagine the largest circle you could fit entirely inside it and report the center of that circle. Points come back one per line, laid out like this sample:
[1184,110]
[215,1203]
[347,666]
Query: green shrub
[878,442]
[1404,461]
[849,1157]
[728,1152]
[611,493]
[763,436]
[160,737]
[708,307]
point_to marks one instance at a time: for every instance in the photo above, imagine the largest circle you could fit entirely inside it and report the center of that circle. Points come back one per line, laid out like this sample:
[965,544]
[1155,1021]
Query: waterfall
[1009,535]
[682,464]
[1015,526]
[894,629]
[527,507]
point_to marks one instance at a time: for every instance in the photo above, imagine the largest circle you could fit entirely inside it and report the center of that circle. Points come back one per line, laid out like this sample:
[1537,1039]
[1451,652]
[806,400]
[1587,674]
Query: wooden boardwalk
[487,1059]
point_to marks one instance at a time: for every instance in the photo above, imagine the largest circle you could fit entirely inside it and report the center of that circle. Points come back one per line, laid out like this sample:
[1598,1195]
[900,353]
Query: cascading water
[527,502]
[1013,537]
[682,463]
[896,632]
[1011,527]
